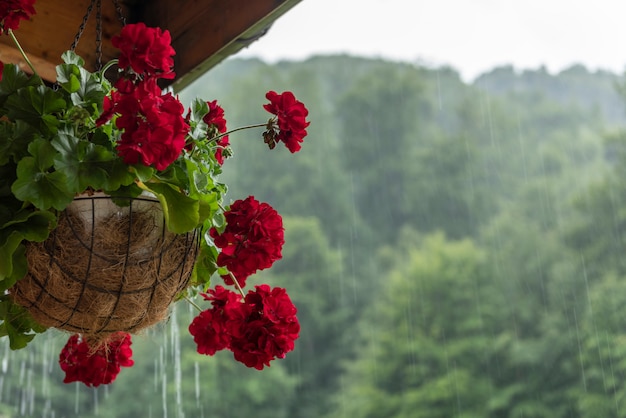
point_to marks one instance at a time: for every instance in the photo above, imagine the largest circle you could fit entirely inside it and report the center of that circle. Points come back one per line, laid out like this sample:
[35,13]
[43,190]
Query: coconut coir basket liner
[106,268]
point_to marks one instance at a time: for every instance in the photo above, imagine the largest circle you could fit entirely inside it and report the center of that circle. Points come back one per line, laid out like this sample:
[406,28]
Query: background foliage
[455,250]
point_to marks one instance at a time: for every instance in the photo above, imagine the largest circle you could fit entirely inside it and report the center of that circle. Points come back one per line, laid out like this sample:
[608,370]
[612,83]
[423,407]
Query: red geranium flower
[145,50]
[270,330]
[209,328]
[215,117]
[1,69]
[81,363]
[257,331]
[220,297]
[208,332]
[252,240]
[108,108]
[153,124]
[12,11]
[217,125]
[292,123]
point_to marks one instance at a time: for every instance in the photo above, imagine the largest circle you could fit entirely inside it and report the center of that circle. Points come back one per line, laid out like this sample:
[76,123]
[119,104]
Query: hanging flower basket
[110,265]
[111,209]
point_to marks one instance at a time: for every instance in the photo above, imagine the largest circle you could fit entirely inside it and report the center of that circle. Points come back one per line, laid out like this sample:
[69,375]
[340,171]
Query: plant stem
[192,303]
[232,276]
[19,47]
[241,128]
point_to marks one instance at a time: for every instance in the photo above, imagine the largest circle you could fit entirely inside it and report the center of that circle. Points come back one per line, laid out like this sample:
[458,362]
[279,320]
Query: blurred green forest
[454,249]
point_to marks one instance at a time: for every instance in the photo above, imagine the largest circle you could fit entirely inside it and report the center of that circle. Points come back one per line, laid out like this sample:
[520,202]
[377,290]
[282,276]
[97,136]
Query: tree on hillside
[603,351]
[598,231]
[426,338]
[409,163]
[325,296]
[380,120]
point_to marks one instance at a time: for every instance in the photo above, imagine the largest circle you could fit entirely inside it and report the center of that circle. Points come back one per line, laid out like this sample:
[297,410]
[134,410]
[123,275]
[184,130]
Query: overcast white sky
[470,35]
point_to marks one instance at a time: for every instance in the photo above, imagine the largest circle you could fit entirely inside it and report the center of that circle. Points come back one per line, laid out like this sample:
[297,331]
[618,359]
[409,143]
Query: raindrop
[164,393]
[5,359]
[95,402]
[196,368]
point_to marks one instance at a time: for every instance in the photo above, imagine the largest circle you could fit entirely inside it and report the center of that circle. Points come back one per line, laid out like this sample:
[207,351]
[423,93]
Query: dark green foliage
[454,250]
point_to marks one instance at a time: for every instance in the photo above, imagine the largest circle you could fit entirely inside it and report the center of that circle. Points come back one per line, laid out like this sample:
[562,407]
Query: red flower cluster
[154,128]
[258,330]
[147,51]
[153,123]
[292,123]
[12,11]
[252,240]
[81,363]
[217,125]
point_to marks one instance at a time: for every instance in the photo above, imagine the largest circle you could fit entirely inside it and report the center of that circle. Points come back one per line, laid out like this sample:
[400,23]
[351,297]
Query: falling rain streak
[454,249]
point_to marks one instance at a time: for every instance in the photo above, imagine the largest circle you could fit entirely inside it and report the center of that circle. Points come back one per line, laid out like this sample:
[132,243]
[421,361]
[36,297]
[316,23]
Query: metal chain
[98,35]
[81,29]
[120,14]
[83,24]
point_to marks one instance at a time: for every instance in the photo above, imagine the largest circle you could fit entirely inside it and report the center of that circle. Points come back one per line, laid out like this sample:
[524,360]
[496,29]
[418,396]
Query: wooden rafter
[204,32]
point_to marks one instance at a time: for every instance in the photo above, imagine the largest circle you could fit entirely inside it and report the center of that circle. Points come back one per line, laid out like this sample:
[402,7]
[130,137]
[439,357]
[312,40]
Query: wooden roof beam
[204,32]
[51,32]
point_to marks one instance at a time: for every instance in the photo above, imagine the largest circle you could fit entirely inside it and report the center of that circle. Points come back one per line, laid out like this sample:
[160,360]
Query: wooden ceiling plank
[46,69]
[53,28]
[204,32]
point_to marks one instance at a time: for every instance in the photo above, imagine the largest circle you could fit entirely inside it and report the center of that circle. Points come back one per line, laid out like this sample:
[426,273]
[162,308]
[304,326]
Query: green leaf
[28,225]
[201,187]
[90,91]
[104,136]
[71,57]
[17,339]
[181,212]
[8,202]
[118,175]
[84,164]
[205,265]
[144,173]
[209,205]
[19,265]
[17,324]
[8,247]
[14,79]
[6,141]
[199,109]
[36,106]
[43,152]
[14,140]
[68,77]
[131,190]
[201,181]
[84,87]
[219,220]
[37,184]
[33,225]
